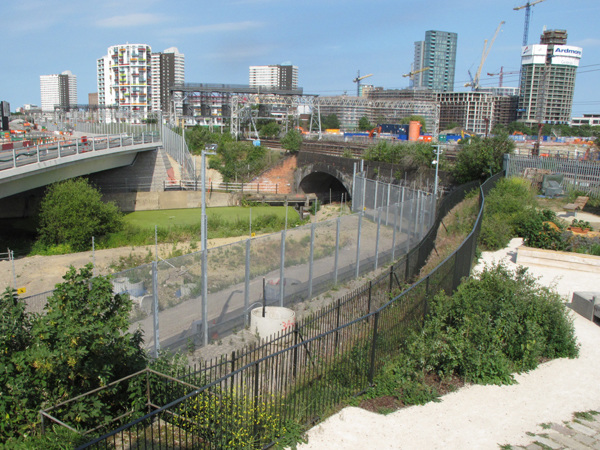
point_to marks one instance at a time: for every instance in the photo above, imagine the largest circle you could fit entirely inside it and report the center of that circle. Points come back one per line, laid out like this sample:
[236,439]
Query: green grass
[168,218]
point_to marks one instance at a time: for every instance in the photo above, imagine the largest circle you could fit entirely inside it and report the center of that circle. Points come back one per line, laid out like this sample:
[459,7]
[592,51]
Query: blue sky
[329,40]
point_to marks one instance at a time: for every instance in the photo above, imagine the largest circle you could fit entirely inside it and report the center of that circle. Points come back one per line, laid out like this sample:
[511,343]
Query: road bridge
[28,168]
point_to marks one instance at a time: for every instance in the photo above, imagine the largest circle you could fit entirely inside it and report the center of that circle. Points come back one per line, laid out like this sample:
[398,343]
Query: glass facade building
[437,53]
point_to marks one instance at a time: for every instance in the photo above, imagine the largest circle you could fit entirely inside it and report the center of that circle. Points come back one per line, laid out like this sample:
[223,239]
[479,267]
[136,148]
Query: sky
[329,40]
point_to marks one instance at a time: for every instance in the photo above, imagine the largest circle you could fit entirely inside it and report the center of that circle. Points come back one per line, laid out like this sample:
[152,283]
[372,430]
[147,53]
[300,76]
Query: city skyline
[326,41]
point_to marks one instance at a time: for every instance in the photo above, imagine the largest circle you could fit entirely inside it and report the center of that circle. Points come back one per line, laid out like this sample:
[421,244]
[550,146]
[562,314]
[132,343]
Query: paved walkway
[535,412]
[583,432]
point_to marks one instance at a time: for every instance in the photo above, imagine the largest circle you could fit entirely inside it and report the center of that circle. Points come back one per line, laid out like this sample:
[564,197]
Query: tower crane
[527,7]
[501,73]
[486,51]
[358,79]
[411,73]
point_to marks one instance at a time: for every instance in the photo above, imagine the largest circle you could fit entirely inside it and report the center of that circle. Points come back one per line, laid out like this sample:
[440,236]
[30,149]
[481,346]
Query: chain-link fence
[296,264]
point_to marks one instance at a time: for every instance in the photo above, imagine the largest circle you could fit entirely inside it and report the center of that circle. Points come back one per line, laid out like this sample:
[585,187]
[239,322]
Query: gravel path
[485,416]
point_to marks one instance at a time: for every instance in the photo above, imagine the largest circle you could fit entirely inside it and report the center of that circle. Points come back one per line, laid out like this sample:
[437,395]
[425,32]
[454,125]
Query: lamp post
[437,167]
[203,230]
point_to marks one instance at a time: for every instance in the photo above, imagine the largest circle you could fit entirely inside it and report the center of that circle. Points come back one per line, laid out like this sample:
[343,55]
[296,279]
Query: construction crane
[486,51]
[527,7]
[411,73]
[501,73]
[358,79]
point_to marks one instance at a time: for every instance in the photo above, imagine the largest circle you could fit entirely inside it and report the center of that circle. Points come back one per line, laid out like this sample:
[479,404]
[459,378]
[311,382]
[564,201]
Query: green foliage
[229,419]
[481,158]
[198,137]
[495,324]
[240,161]
[292,141]
[409,155]
[330,122]
[364,124]
[536,230]
[505,205]
[269,130]
[80,343]
[72,212]
[583,224]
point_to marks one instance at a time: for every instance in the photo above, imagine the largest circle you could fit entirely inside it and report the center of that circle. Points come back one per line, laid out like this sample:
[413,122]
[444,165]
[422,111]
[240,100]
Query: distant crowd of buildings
[134,79]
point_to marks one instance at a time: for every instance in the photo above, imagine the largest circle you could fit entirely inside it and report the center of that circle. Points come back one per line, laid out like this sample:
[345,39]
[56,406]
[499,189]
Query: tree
[269,130]
[81,343]
[364,124]
[72,211]
[292,141]
[481,158]
[330,122]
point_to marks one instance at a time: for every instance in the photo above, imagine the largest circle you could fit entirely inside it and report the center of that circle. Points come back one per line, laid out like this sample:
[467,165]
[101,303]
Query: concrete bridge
[28,168]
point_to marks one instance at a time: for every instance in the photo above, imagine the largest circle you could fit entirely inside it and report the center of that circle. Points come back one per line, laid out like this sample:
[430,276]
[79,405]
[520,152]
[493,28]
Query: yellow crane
[527,7]
[411,73]
[358,79]
[484,54]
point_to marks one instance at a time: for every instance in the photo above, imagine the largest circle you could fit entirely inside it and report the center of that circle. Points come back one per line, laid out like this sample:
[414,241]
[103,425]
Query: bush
[481,158]
[495,324]
[72,212]
[542,229]
[505,206]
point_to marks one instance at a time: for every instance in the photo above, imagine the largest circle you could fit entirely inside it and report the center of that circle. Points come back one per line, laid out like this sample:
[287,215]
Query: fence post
[155,307]
[310,264]
[247,284]
[256,373]
[394,233]
[360,216]
[373,346]
[232,370]
[375,196]
[337,323]
[377,238]
[295,361]
[337,252]
[369,298]
[282,269]
[205,295]
[391,278]
[387,210]
[401,209]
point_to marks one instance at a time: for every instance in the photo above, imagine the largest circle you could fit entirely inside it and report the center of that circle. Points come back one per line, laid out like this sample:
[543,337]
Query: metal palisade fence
[250,398]
[297,264]
[577,174]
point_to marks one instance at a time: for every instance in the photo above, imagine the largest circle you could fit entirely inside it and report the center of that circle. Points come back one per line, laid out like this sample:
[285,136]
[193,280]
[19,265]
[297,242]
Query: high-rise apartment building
[548,79]
[58,90]
[437,53]
[168,69]
[124,79]
[284,76]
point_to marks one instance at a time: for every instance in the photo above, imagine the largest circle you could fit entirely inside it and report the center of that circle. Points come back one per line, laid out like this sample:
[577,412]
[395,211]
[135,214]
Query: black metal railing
[248,399]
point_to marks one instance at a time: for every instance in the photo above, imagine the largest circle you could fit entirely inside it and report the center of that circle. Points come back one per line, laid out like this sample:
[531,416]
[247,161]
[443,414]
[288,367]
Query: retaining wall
[527,256]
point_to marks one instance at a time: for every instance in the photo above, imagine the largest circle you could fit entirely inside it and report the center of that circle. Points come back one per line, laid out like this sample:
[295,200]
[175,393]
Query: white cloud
[130,20]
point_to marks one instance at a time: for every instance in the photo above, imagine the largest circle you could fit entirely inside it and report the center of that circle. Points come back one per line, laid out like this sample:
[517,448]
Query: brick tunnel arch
[325,182]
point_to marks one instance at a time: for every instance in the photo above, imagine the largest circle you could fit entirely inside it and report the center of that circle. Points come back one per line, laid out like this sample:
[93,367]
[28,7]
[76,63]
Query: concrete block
[586,304]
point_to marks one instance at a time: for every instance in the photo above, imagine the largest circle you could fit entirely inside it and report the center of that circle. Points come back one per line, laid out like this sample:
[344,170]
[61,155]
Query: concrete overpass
[28,168]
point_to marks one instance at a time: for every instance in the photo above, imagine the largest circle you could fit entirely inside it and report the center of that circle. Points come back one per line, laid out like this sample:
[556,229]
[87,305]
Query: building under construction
[548,80]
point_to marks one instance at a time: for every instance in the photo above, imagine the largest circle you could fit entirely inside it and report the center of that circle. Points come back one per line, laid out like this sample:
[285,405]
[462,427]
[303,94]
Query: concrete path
[488,417]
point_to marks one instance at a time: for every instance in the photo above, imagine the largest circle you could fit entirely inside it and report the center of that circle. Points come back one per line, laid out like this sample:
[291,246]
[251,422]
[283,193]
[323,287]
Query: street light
[437,167]
[208,150]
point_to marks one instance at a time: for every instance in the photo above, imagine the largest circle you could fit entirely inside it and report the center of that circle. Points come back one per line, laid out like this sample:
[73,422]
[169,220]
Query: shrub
[495,324]
[511,200]
[72,212]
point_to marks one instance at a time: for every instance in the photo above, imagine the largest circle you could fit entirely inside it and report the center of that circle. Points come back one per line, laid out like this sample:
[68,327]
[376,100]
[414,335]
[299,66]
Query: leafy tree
[81,343]
[198,137]
[72,211]
[364,124]
[481,157]
[410,154]
[519,127]
[239,160]
[269,130]
[330,122]
[292,141]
